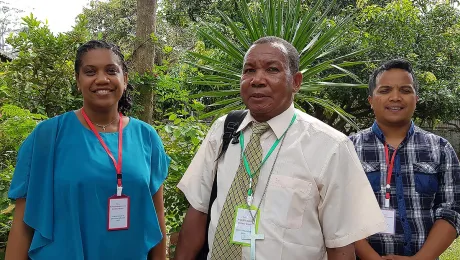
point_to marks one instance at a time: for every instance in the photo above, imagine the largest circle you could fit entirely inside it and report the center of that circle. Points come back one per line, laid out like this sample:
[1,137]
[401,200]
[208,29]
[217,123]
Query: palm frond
[225,110]
[222,42]
[328,105]
[239,34]
[229,73]
[210,60]
[310,32]
[221,93]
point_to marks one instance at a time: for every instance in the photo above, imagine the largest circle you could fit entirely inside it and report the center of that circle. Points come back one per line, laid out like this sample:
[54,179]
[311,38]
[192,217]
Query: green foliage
[314,36]
[427,37]
[112,21]
[389,27]
[439,102]
[15,125]
[177,125]
[168,82]
[41,77]
[115,21]
[182,137]
[185,12]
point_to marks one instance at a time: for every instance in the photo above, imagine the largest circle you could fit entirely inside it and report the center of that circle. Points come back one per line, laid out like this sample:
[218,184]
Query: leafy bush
[41,77]
[15,125]
[182,138]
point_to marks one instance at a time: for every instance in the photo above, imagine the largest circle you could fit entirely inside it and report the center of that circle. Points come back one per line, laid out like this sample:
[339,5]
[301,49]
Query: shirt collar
[278,124]
[378,132]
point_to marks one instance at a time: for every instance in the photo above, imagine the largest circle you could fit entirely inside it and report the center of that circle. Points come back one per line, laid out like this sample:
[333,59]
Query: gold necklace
[103,126]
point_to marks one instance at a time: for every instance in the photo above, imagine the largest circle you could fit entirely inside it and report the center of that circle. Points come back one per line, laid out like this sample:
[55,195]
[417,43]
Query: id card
[118,213]
[243,223]
[390,219]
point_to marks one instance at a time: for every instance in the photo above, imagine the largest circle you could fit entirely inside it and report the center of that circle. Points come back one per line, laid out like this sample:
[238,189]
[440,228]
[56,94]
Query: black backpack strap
[231,124]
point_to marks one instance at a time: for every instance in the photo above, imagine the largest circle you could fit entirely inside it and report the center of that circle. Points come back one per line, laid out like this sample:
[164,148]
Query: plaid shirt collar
[379,134]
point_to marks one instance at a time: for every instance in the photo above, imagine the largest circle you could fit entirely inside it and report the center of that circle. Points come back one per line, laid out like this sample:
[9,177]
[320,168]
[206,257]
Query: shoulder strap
[231,124]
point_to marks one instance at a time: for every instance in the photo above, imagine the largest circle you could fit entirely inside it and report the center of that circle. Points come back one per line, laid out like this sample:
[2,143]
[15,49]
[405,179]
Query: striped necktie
[222,248]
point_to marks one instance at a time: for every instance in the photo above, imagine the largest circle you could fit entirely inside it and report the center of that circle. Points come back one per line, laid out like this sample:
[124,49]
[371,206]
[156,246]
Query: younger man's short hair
[391,64]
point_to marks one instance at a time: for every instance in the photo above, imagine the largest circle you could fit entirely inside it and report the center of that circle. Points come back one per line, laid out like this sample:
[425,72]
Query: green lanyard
[246,163]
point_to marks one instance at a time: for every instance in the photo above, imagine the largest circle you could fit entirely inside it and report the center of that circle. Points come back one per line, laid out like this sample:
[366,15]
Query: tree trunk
[144,55]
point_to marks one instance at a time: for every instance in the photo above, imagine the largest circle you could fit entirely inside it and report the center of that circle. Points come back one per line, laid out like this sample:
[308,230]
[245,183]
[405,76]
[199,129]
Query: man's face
[394,98]
[267,86]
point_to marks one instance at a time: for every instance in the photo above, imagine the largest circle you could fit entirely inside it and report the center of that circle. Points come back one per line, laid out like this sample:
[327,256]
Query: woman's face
[101,79]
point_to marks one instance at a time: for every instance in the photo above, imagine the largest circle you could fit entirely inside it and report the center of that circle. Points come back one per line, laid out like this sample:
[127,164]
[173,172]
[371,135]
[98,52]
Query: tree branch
[457,127]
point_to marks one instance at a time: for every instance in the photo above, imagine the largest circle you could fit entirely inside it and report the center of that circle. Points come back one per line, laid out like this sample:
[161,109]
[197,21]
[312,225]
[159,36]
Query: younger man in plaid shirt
[415,174]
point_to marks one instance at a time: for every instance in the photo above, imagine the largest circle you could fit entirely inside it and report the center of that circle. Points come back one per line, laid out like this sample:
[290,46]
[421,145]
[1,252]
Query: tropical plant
[15,125]
[113,21]
[312,34]
[400,29]
[41,78]
[181,138]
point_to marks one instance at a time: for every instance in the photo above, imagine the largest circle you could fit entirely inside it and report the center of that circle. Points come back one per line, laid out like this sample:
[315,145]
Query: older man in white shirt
[300,190]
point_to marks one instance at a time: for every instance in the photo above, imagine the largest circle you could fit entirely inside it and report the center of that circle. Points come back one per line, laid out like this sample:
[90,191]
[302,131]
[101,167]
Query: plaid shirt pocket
[372,170]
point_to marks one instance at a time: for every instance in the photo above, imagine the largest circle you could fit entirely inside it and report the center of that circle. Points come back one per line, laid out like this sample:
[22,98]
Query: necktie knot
[259,128]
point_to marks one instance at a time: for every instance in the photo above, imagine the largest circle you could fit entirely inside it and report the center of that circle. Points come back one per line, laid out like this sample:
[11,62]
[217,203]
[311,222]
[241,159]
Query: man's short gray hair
[290,52]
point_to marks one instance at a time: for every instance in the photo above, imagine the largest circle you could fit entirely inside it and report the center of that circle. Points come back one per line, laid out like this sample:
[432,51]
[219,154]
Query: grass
[453,252]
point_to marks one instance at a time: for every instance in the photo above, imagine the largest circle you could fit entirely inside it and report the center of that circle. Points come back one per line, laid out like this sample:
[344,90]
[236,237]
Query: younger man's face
[394,98]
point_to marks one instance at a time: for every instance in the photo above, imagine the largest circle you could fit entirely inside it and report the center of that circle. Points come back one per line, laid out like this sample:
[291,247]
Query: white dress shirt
[318,195]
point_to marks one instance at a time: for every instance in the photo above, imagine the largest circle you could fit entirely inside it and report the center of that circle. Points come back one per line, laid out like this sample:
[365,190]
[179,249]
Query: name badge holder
[118,207]
[389,213]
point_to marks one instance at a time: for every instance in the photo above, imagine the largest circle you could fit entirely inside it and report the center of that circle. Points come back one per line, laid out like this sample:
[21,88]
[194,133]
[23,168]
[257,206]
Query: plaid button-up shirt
[425,185]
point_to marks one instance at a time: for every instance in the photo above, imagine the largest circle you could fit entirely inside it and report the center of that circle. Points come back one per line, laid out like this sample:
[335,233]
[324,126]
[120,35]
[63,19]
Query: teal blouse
[67,178]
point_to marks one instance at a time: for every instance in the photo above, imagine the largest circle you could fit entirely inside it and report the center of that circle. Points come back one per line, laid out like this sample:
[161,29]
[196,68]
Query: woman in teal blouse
[88,183]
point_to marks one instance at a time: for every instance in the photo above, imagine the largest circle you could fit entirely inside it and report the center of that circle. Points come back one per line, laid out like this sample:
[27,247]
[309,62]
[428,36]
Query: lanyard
[120,148]
[246,163]
[390,166]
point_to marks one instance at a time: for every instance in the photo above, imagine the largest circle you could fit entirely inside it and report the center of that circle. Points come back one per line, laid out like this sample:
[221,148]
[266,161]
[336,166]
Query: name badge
[390,219]
[118,213]
[243,222]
